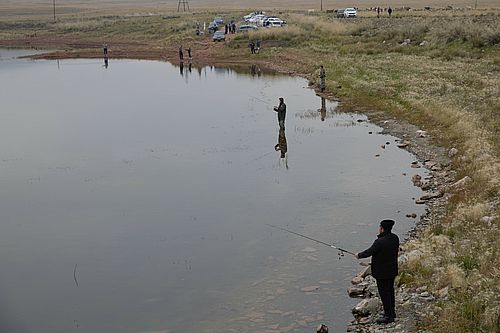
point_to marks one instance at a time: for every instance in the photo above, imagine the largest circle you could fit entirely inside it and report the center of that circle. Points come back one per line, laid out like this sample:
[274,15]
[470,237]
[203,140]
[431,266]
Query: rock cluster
[411,305]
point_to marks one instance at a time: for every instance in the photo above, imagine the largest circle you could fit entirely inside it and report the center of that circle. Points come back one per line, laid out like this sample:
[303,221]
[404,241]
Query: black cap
[387,224]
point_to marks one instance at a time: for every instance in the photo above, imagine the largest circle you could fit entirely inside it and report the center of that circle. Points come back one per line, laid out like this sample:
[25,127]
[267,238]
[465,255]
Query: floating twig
[74,275]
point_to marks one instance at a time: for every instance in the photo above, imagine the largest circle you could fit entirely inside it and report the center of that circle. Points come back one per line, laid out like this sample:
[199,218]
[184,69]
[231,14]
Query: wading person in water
[105,49]
[384,253]
[189,53]
[281,109]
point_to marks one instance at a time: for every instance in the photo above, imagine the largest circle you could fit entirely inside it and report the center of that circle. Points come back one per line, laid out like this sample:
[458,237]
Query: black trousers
[386,292]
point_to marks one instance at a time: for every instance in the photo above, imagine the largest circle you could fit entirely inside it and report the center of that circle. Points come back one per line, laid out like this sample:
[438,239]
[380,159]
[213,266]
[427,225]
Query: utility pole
[54,6]
[184,4]
[321,5]
[475,7]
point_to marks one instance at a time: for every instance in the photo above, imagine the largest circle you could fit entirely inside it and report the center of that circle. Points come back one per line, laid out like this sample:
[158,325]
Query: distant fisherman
[281,109]
[252,47]
[384,253]
[189,53]
[322,76]
[105,49]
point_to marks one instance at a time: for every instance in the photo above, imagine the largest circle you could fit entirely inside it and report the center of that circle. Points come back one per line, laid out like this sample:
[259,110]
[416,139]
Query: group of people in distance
[230,28]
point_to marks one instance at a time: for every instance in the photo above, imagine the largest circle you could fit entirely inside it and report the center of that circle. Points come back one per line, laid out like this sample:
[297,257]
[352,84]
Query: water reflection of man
[106,62]
[282,145]
[181,68]
[323,109]
[189,67]
[253,70]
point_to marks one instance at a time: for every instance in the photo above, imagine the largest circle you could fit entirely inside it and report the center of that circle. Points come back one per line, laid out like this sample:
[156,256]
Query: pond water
[135,197]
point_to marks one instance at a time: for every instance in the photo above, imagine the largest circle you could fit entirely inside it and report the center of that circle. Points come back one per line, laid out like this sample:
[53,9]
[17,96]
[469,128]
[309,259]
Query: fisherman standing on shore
[322,76]
[281,110]
[181,54]
[384,253]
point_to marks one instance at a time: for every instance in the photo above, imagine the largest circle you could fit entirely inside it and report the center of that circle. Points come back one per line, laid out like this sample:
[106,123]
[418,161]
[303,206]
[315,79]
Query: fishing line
[312,239]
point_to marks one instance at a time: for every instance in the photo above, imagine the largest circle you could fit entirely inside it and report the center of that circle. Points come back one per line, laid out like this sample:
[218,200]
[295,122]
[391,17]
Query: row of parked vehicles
[261,19]
[252,22]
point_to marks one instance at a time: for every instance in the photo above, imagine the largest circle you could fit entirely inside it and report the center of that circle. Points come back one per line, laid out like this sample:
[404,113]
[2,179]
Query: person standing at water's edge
[181,54]
[281,109]
[384,253]
[322,76]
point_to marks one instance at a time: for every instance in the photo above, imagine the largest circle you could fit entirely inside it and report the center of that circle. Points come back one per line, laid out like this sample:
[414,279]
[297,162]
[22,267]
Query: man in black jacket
[281,110]
[384,253]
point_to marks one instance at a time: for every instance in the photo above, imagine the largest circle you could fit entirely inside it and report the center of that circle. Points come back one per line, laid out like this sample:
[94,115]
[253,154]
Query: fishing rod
[310,238]
[260,100]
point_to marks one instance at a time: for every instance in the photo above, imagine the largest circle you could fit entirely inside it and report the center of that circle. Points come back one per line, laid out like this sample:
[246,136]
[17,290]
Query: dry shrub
[320,25]
[287,33]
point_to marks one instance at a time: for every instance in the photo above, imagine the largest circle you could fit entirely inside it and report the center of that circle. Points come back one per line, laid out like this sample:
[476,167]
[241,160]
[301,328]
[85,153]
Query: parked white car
[258,19]
[350,12]
[273,22]
[251,15]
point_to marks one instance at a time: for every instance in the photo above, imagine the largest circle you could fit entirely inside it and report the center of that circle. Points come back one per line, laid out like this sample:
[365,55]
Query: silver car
[247,27]
[218,36]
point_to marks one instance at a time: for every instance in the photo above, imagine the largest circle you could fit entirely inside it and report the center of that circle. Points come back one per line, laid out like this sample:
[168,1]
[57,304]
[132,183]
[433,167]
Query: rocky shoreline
[412,304]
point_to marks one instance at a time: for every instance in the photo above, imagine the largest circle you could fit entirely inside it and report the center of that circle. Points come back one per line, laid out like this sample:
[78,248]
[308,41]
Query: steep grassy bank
[438,70]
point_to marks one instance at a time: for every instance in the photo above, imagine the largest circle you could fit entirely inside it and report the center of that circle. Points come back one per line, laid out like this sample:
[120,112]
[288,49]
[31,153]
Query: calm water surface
[135,198]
